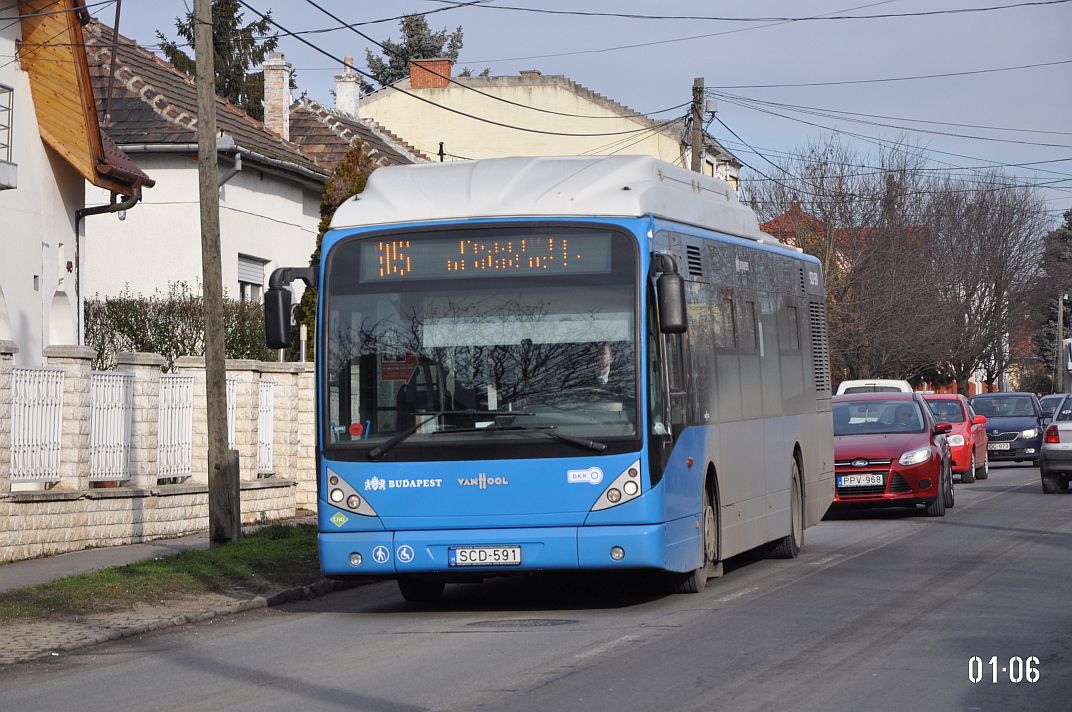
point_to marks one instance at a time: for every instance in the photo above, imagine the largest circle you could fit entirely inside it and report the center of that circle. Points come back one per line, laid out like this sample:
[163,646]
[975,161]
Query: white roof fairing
[606,186]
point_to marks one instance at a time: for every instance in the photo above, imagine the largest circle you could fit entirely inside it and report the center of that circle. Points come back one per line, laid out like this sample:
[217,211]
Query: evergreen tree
[237,48]
[417,42]
[1057,263]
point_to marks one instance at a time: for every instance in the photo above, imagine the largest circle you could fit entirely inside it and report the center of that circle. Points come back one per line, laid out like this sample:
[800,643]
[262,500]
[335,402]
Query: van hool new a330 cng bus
[560,363]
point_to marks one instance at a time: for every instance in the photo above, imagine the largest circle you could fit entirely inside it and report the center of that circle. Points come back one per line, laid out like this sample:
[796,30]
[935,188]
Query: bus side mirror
[670,288]
[277,318]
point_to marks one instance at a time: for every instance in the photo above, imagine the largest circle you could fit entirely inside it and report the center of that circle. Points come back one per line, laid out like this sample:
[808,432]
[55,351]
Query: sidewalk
[21,641]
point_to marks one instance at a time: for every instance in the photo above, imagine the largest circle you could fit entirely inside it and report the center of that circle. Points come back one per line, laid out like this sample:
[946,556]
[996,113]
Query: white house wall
[38,301]
[424,126]
[159,241]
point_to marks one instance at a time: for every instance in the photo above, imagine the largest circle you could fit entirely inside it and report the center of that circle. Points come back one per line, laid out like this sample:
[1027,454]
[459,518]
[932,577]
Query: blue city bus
[534,364]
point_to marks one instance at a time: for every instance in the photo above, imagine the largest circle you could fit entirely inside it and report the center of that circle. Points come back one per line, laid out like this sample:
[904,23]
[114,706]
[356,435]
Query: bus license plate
[998,446]
[484,555]
[859,480]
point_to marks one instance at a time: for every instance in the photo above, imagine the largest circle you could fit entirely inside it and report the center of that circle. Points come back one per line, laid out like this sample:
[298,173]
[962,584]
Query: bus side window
[675,367]
[657,417]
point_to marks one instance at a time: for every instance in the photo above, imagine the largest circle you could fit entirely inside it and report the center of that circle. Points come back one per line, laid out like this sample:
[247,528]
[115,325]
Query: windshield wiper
[377,452]
[548,430]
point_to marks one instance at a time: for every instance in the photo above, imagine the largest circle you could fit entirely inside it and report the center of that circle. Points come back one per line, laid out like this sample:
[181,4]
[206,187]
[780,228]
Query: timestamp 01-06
[1016,668]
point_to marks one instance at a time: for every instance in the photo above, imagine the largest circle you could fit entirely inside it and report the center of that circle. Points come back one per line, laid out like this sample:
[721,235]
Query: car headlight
[956,440]
[1029,433]
[915,457]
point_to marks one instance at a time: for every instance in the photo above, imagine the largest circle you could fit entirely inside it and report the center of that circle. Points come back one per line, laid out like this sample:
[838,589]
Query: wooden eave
[53,53]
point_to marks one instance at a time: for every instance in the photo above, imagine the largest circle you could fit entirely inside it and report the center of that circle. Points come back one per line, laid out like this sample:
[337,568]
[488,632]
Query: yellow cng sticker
[339,519]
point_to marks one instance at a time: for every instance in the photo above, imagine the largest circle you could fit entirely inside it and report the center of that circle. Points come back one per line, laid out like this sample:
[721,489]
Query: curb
[298,593]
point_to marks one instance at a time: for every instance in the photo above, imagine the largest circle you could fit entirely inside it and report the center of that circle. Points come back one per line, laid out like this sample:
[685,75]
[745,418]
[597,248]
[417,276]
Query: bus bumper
[393,553]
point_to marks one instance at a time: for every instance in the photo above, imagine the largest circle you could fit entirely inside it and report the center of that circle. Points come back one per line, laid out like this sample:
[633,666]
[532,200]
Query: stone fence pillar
[195,366]
[77,363]
[8,349]
[243,372]
[145,418]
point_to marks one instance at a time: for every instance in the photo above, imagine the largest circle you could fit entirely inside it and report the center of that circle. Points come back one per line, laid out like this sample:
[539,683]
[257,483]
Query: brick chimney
[277,94]
[347,89]
[429,73]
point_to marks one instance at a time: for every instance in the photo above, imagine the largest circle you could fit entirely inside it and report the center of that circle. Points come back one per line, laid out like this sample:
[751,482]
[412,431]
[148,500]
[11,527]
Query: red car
[967,440]
[890,451]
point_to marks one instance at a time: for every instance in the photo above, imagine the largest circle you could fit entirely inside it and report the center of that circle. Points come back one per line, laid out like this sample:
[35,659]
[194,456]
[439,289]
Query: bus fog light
[353,501]
[337,495]
[614,495]
[617,553]
[355,559]
[630,488]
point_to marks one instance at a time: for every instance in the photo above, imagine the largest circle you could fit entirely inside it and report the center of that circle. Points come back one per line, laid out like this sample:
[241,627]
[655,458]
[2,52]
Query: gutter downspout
[112,207]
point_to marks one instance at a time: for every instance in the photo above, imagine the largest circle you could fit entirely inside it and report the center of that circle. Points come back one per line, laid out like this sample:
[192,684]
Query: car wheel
[949,492]
[696,580]
[1050,484]
[969,474]
[984,471]
[936,507]
[420,590]
[1034,463]
[789,545]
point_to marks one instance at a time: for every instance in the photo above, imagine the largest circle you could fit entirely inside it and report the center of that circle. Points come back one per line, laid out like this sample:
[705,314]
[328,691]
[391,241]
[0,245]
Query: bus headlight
[624,488]
[343,496]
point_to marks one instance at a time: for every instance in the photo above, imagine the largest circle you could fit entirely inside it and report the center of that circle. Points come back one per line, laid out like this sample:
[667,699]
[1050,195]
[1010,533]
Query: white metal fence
[175,446]
[112,404]
[265,427]
[36,424]
[232,397]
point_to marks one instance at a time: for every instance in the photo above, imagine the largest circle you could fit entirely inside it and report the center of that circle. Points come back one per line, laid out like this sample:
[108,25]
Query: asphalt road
[882,611]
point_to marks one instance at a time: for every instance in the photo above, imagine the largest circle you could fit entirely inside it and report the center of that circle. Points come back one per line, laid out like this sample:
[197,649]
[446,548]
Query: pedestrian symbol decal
[381,554]
[405,553]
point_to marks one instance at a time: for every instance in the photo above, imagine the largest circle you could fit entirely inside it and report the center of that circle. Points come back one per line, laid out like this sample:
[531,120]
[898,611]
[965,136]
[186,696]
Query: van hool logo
[482,481]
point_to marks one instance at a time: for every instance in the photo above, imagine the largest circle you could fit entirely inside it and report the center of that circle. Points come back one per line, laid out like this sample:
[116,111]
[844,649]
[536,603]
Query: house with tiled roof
[54,161]
[531,114]
[269,188]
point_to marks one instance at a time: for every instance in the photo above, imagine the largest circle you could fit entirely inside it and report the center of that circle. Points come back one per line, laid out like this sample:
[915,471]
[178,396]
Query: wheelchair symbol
[381,554]
[404,554]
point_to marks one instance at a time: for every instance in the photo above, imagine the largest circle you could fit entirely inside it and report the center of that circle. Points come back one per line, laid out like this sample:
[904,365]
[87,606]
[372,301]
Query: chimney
[347,89]
[277,95]
[429,73]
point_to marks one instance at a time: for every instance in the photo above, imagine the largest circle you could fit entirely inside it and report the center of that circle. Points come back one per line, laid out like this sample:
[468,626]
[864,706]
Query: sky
[1019,107]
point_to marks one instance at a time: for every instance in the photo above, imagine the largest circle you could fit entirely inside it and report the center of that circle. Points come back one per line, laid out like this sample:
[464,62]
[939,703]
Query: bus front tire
[696,580]
[420,590]
[788,547]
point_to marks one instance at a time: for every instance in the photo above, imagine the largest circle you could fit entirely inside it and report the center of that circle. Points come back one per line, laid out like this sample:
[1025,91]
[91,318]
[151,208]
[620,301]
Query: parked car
[874,385]
[890,451]
[1049,403]
[967,440]
[1013,425]
[1055,461]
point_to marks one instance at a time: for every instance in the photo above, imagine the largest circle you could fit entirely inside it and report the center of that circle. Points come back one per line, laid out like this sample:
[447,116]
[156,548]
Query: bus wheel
[695,581]
[420,590]
[789,545]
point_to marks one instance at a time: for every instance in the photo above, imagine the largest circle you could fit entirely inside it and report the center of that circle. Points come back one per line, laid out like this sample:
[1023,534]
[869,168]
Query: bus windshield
[504,331]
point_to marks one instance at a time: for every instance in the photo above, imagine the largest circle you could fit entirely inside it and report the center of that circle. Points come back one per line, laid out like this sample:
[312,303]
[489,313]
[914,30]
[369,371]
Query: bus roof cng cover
[609,186]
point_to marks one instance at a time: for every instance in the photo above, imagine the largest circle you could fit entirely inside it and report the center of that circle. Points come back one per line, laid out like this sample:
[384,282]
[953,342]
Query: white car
[874,385]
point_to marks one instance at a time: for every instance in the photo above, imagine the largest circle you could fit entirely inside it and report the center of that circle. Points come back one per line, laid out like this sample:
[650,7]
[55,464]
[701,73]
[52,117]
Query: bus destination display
[468,257]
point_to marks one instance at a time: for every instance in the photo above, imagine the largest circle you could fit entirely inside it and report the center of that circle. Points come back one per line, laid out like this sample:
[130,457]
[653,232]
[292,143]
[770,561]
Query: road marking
[738,594]
[608,646]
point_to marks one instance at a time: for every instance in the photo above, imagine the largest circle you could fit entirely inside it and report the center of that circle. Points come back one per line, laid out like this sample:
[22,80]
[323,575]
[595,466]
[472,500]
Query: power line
[892,79]
[436,104]
[452,80]
[722,18]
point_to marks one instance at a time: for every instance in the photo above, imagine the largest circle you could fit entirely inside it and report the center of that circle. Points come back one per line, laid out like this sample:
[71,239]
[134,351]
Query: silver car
[1055,459]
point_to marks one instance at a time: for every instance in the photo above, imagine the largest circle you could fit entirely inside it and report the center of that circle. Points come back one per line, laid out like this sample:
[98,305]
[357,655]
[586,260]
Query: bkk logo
[593,476]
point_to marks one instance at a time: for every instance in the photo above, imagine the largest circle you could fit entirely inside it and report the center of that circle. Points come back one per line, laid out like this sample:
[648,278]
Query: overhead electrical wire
[726,18]
[452,110]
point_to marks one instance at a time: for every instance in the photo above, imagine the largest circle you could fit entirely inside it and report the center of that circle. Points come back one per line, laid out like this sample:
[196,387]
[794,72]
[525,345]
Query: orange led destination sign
[466,257]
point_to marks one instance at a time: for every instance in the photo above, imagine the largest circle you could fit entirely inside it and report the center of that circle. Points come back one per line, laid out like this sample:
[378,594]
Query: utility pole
[224,508]
[697,123]
[1059,364]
